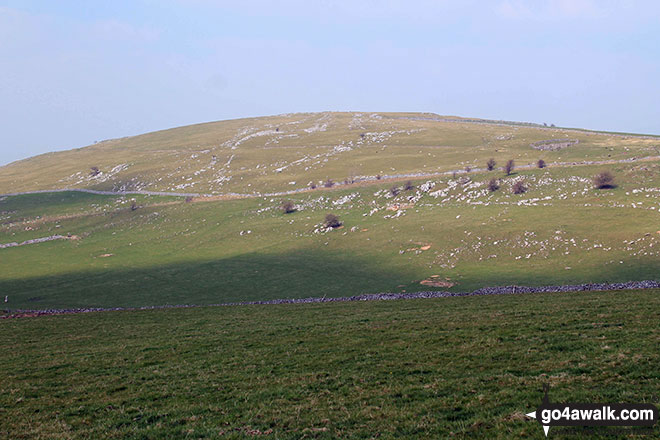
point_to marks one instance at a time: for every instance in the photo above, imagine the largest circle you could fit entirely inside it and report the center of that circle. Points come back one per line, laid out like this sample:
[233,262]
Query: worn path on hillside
[367,180]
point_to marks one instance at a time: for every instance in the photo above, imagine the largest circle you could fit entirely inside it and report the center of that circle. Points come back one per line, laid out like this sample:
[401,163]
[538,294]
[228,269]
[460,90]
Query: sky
[72,72]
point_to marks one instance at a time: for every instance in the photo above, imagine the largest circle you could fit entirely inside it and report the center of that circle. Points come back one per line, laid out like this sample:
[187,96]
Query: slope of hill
[291,152]
[445,233]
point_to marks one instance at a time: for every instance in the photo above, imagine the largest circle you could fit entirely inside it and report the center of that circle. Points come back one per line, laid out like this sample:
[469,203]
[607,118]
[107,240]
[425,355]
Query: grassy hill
[450,233]
[288,152]
[467,367]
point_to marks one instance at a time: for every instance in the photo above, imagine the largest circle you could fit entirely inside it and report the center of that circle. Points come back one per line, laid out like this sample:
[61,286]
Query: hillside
[444,230]
[291,152]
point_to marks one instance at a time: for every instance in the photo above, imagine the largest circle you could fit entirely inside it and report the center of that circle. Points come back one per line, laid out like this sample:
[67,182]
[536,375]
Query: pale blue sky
[73,72]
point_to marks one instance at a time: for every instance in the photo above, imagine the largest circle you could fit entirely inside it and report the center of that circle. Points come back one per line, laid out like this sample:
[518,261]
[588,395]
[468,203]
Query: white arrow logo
[546,428]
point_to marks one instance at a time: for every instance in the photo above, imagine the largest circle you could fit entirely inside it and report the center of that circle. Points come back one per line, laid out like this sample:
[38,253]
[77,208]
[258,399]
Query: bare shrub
[288,207]
[408,186]
[493,185]
[541,163]
[332,221]
[491,164]
[604,180]
[508,168]
[329,183]
[519,187]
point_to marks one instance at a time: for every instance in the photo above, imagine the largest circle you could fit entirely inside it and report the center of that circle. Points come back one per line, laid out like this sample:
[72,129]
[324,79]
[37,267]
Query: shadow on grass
[243,278]
[252,277]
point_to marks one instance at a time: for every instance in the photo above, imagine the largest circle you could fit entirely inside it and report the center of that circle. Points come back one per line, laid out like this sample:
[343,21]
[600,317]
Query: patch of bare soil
[435,281]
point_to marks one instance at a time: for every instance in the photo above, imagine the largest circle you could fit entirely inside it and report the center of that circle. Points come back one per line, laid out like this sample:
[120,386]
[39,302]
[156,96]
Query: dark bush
[312,185]
[134,205]
[395,191]
[288,207]
[94,171]
[541,163]
[189,199]
[493,185]
[332,221]
[378,177]
[329,183]
[468,169]
[408,186]
[604,180]
[519,187]
[508,168]
[491,164]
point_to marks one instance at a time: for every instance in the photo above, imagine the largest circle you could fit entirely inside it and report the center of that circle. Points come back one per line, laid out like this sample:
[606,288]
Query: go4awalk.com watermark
[550,414]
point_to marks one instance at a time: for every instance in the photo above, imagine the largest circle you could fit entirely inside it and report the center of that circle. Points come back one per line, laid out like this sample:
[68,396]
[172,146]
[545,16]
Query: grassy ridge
[457,367]
[278,153]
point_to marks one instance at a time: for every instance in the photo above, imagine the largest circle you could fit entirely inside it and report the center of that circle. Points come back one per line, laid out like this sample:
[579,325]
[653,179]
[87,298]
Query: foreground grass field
[446,368]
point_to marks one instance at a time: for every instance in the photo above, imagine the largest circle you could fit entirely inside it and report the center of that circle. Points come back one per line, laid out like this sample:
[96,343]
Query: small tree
[541,163]
[493,185]
[332,221]
[288,207]
[604,180]
[519,187]
[329,183]
[491,164]
[508,168]
[408,186]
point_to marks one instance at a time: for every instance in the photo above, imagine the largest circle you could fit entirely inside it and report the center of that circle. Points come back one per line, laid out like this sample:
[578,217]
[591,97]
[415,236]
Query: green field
[446,368]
